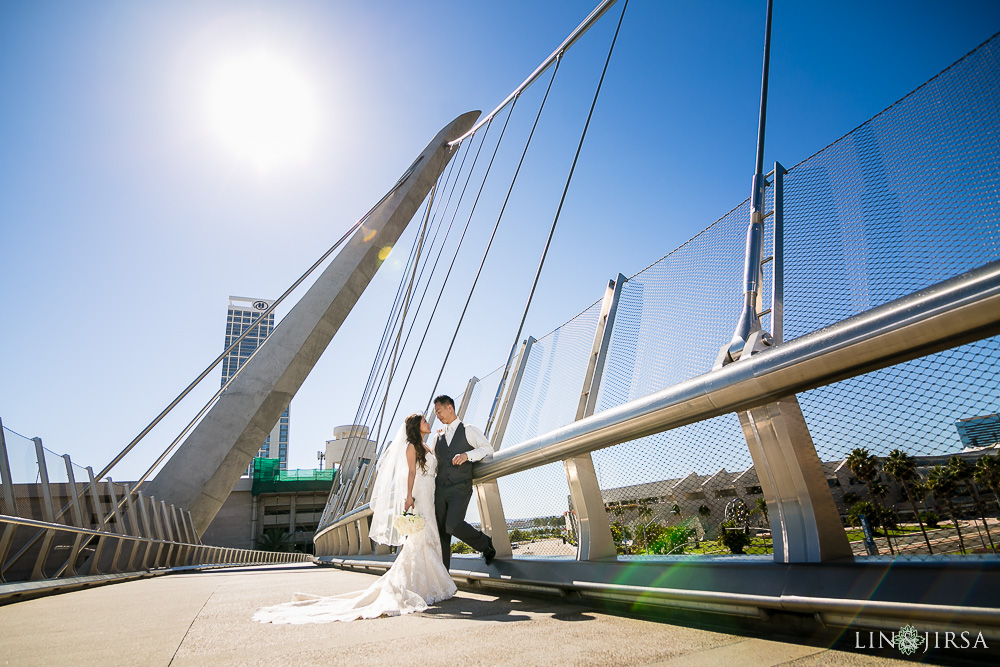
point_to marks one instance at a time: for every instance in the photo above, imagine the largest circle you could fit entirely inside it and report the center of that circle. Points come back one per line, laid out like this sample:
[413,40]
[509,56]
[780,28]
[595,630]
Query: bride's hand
[408,505]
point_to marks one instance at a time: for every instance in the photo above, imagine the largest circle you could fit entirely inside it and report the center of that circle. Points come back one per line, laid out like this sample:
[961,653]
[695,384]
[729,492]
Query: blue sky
[127,221]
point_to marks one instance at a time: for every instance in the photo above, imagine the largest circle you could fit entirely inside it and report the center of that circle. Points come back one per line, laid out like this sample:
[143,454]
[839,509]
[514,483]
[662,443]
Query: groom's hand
[459,459]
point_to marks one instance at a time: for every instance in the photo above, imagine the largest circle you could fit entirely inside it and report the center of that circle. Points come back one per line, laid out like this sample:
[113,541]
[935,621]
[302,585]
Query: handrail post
[488,499]
[9,506]
[48,511]
[77,516]
[119,522]
[594,539]
[466,399]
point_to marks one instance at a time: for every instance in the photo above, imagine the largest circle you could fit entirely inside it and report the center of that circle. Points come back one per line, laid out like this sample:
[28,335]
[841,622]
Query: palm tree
[851,499]
[988,474]
[964,473]
[864,465]
[903,468]
[941,482]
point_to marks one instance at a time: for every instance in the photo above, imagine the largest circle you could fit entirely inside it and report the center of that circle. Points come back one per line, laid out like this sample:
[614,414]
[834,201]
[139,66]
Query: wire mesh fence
[910,198]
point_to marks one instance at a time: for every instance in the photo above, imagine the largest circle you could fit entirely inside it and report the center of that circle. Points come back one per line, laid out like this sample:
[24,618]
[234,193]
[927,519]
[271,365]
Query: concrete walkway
[203,618]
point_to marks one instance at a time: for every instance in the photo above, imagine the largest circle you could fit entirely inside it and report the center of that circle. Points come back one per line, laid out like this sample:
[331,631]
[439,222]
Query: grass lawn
[856,534]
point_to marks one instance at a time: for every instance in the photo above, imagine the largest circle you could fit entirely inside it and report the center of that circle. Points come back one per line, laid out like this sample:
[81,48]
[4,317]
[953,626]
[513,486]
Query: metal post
[77,517]
[168,532]
[364,542]
[149,532]
[48,508]
[748,323]
[466,398]
[9,507]
[508,404]
[100,524]
[594,541]
[134,529]
[48,511]
[778,271]
[116,511]
[488,493]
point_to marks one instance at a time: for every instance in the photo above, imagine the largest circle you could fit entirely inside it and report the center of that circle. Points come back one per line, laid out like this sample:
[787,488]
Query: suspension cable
[406,307]
[552,229]
[351,449]
[380,446]
[503,208]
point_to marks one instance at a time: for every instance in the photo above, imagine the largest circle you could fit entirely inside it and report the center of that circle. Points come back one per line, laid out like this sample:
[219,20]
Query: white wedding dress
[416,580]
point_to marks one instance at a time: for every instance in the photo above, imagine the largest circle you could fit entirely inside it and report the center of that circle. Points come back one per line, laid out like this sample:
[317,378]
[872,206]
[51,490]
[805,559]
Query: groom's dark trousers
[452,493]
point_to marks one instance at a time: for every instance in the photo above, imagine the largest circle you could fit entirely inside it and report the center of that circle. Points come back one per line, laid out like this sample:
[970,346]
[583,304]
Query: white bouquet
[408,524]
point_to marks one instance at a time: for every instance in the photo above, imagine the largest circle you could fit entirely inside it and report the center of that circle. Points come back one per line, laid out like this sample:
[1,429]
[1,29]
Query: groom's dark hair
[445,400]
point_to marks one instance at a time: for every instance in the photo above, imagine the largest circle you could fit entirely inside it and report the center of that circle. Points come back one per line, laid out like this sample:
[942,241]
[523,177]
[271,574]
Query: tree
[851,499]
[903,468]
[988,474]
[964,473]
[941,482]
[735,537]
[864,465]
[762,507]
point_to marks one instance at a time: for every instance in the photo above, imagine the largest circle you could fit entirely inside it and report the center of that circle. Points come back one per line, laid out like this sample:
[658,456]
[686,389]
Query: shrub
[734,536]
[518,535]
[461,548]
[930,518]
[671,540]
[866,508]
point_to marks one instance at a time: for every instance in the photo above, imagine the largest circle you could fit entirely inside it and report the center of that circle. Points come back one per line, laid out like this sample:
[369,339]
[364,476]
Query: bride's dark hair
[416,438]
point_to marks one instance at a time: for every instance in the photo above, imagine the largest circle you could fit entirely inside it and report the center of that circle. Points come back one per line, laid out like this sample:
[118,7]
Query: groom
[456,447]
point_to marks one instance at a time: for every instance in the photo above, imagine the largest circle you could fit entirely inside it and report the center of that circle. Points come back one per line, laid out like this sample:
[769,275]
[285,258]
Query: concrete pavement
[203,618]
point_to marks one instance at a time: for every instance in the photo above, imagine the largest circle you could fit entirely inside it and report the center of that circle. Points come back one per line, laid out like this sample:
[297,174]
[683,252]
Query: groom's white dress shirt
[481,446]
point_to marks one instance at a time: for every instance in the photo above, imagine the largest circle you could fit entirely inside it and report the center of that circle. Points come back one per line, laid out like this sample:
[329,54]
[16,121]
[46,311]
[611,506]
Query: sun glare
[263,109]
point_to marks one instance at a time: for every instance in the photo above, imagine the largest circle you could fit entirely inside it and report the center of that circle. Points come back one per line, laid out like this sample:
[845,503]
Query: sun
[263,109]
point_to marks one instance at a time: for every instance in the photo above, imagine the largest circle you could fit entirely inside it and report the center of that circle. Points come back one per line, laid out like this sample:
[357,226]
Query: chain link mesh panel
[536,501]
[669,493]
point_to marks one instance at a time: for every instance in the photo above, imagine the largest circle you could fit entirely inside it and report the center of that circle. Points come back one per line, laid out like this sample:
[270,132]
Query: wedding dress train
[416,580]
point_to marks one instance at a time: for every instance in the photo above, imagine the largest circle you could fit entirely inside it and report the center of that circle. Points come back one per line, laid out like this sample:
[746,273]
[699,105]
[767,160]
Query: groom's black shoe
[489,553]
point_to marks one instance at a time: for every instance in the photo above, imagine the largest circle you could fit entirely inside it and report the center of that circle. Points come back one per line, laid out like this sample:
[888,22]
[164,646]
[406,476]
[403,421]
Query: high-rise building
[243,312]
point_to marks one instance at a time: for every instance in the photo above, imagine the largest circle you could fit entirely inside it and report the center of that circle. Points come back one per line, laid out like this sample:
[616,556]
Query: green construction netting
[268,477]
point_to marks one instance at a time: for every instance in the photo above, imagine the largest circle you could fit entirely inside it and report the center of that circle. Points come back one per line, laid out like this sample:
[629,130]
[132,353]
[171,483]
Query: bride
[417,579]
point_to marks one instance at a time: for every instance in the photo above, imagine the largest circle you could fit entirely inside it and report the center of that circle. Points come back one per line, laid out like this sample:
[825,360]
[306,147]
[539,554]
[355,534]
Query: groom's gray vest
[449,475]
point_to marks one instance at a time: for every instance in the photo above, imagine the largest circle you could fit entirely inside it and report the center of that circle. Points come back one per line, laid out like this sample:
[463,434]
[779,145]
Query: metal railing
[51,527]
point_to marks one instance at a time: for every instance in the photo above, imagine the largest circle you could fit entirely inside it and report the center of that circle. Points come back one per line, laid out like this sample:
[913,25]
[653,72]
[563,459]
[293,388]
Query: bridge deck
[203,618]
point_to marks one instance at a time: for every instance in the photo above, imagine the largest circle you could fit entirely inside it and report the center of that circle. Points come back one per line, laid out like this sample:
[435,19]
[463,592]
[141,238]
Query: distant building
[977,432]
[243,312]
[350,440]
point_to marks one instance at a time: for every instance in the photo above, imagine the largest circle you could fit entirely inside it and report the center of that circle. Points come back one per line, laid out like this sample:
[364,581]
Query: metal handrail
[45,525]
[950,313]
